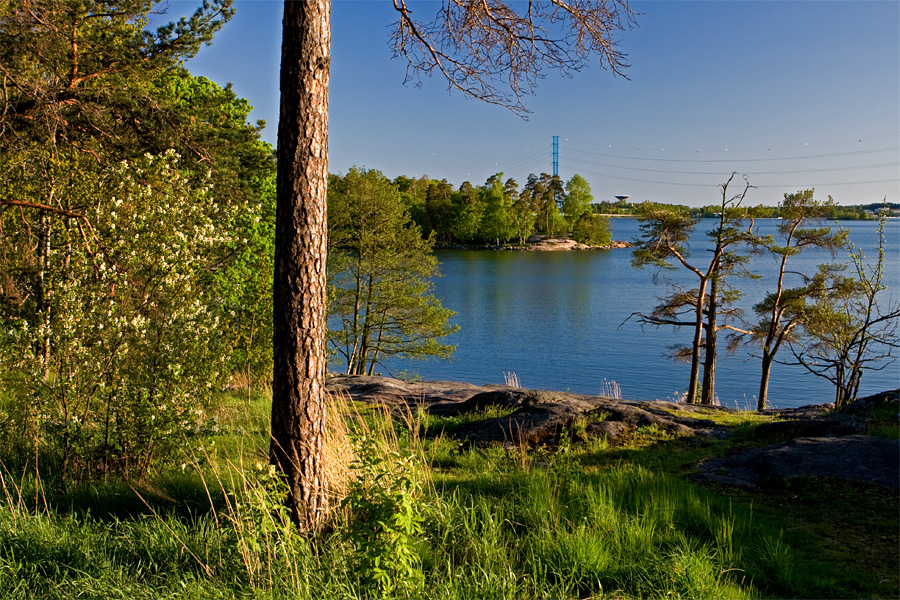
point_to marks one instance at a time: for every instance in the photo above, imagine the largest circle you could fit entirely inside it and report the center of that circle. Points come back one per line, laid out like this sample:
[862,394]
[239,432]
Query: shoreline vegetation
[538,243]
[836,212]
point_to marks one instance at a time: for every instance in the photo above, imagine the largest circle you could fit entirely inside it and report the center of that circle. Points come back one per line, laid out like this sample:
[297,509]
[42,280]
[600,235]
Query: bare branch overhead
[493,52]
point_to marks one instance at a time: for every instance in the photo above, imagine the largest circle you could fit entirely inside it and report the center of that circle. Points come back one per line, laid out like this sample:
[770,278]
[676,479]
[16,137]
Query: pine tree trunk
[691,397]
[298,390]
[710,347]
[764,379]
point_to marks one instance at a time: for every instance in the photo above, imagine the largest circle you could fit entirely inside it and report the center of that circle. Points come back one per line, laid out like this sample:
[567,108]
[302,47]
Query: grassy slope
[586,520]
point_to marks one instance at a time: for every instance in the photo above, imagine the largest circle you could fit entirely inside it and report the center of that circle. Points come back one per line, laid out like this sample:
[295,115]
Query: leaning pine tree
[782,312]
[665,232]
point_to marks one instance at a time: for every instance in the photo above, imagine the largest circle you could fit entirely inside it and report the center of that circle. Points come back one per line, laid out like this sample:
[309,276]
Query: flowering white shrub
[123,356]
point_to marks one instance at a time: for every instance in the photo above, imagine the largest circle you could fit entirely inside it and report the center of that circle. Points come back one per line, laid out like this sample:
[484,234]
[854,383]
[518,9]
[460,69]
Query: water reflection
[556,319]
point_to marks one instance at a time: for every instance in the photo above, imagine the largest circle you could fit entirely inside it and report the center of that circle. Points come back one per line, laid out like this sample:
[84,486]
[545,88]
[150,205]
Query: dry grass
[610,389]
[511,379]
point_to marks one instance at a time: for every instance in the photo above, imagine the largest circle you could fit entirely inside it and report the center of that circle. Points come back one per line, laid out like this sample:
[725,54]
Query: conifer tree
[665,232]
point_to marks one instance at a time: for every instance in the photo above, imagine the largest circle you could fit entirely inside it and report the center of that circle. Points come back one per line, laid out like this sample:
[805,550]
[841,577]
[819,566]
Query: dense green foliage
[380,271]
[499,213]
[128,188]
[592,230]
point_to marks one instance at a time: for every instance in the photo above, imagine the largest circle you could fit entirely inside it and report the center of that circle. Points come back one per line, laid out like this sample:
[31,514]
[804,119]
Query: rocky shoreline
[811,441]
[538,243]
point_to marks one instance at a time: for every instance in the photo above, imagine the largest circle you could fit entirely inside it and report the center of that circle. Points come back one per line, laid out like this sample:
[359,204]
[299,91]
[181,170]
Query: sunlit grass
[586,520]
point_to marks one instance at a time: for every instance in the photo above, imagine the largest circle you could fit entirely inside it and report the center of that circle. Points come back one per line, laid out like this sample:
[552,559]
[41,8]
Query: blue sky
[794,94]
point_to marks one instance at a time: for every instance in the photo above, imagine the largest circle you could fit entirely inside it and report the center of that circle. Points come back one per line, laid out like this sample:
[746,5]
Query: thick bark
[300,249]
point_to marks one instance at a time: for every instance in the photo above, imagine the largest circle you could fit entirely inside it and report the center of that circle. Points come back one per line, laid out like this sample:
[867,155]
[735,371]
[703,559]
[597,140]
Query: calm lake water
[559,320]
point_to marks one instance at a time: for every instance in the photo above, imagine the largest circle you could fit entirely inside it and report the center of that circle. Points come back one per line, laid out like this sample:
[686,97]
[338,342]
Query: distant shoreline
[536,244]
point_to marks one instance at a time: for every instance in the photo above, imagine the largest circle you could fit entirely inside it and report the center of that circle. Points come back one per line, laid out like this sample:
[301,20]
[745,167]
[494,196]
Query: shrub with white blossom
[116,365]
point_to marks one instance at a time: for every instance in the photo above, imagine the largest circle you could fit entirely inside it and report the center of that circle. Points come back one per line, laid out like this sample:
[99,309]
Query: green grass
[884,421]
[437,425]
[587,520]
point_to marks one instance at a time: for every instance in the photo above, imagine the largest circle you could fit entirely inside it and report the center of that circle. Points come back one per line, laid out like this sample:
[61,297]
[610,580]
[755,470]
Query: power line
[745,160]
[733,148]
[821,170]
[704,185]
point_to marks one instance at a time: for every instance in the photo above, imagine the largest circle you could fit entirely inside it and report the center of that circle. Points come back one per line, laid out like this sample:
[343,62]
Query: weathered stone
[868,403]
[395,391]
[532,424]
[815,427]
[810,411]
[856,457]
[514,397]
[611,430]
[538,417]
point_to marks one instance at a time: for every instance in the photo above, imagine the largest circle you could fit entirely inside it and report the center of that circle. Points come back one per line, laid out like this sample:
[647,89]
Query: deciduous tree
[381,271]
[577,200]
[123,180]
[468,209]
[496,222]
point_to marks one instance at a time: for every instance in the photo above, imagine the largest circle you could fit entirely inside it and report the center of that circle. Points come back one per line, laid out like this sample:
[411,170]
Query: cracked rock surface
[535,416]
[820,443]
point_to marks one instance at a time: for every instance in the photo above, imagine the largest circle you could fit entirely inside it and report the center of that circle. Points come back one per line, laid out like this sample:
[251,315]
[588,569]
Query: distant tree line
[857,212]
[499,211]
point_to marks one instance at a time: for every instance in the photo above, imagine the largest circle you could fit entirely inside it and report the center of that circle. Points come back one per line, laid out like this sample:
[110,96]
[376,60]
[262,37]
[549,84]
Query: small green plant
[385,517]
[260,518]
[408,376]
[884,421]
[564,467]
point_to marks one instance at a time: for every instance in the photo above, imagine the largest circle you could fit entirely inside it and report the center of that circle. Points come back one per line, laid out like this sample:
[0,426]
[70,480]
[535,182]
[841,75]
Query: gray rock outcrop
[863,458]
[536,416]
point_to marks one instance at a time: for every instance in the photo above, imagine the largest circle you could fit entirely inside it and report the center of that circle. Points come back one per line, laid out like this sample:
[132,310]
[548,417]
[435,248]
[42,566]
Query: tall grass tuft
[511,379]
[610,389]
